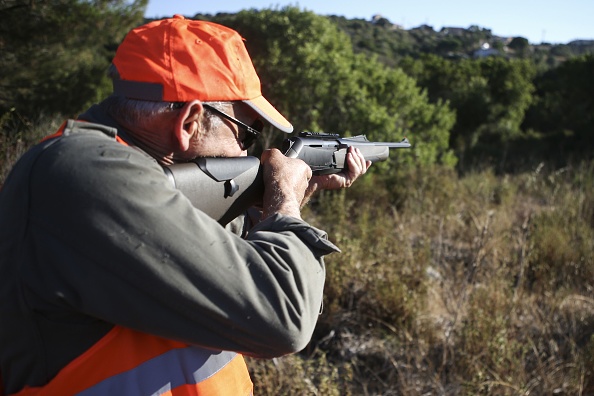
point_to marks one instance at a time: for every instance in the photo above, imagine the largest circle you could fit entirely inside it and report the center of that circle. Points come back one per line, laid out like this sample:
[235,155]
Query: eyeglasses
[252,132]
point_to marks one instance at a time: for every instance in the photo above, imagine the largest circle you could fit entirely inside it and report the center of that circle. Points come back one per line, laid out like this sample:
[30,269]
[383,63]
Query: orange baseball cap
[179,60]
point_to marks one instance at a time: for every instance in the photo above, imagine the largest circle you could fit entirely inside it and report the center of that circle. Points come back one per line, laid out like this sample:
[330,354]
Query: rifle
[224,188]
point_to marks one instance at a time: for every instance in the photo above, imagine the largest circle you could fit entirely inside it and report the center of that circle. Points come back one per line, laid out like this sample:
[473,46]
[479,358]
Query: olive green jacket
[92,234]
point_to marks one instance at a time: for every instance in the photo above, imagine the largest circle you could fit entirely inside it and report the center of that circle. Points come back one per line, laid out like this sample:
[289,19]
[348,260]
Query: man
[111,283]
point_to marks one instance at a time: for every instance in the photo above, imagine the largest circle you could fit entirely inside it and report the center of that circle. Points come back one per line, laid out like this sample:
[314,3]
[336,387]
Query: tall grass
[446,285]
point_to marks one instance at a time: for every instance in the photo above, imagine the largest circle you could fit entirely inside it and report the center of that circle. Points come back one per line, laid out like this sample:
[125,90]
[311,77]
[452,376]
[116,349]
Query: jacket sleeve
[116,242]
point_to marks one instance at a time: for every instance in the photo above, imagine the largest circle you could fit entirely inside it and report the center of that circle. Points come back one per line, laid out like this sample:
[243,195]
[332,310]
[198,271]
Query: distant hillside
[391,42]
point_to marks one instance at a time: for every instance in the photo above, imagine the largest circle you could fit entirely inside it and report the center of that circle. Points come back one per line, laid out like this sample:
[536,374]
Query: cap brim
[269,113]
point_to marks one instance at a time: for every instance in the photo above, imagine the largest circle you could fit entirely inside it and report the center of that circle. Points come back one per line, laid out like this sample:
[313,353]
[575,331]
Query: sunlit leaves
[310,72]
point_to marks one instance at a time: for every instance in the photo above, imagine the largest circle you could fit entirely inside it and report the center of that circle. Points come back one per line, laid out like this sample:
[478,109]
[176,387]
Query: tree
[310,72]
[520,45]
[490,97]
[55,53]
[564,108]
[449,45]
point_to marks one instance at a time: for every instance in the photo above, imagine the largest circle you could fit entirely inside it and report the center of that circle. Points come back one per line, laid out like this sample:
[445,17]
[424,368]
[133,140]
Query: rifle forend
[326,153]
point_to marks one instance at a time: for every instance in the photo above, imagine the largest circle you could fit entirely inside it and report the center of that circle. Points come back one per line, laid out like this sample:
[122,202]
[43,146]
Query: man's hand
[285,182]
[356,166]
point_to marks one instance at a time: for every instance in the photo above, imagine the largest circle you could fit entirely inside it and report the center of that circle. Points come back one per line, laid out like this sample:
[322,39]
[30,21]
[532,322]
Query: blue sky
[538,21]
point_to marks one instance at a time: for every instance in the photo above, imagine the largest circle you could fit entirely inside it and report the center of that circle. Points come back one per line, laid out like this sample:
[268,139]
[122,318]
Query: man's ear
[187,123]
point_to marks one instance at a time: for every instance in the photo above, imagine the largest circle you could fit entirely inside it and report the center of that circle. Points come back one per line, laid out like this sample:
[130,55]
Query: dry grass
[447,285]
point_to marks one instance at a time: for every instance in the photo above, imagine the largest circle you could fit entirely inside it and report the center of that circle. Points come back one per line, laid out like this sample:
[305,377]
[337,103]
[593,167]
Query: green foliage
[501,120]
[381,39]
[490,97]
[564,107]
[294,53]
[393,106]
[66,46]
[519,44]
[391,42]
[310,72]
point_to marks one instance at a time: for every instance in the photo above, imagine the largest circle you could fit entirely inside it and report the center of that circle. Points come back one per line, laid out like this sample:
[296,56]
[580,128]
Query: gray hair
[142,113]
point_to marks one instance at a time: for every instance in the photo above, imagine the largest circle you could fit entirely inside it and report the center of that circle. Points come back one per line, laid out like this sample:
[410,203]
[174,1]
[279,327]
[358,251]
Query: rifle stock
[224,188]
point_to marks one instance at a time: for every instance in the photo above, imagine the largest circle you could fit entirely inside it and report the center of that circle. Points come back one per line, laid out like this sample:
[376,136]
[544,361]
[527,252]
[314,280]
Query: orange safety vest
[130,363]
[60,131]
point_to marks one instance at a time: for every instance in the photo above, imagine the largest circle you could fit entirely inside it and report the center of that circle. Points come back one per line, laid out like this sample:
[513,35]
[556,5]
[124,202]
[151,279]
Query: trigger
[230,188]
